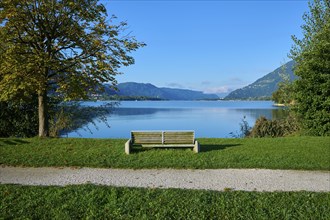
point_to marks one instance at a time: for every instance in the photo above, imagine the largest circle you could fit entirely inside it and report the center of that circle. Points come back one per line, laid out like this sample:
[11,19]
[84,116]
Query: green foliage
[102,202]
[306,153]
[70,47]
[60,42]
[18,118]
[59,121]
[312,55]
[284,94]
[274,128]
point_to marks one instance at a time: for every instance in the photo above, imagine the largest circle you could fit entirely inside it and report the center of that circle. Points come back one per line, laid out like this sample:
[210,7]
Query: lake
[206,118]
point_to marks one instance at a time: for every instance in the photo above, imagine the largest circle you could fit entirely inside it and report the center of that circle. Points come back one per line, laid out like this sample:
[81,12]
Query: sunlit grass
[101,202]
[308,153]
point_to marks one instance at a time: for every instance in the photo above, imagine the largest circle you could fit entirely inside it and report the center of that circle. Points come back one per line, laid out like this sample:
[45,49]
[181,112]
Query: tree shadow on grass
[216,147]
[12,142]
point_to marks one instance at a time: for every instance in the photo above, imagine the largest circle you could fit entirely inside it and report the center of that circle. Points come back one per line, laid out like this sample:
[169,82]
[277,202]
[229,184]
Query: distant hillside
[132,89]
[265,86]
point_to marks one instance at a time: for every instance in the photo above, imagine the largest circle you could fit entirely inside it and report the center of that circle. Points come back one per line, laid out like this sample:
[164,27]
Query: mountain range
[149,91]
[260,89]
[265,86]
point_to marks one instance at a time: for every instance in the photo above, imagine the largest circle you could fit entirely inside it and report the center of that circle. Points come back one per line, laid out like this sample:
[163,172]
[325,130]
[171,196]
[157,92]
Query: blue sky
[212,46]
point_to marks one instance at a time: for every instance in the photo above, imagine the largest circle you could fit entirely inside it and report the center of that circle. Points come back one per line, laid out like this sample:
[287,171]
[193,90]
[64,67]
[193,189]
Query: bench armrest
[196,147]
[128,145]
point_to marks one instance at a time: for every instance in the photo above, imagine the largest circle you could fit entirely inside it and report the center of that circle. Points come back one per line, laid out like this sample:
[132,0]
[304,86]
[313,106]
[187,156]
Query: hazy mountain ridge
[265,86]
[133,89]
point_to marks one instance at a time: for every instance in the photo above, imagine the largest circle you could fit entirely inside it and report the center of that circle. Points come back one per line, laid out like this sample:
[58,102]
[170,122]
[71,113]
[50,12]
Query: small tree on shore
[59,47]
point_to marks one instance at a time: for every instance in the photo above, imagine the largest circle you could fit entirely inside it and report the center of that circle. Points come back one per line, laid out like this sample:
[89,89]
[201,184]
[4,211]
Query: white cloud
[218,90]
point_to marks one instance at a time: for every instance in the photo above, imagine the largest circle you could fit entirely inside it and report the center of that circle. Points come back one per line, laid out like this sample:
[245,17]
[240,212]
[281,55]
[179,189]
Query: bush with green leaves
[274,128]
[18,118]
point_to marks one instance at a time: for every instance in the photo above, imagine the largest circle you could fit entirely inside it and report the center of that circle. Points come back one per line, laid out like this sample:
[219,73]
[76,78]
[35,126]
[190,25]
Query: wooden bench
[162,139]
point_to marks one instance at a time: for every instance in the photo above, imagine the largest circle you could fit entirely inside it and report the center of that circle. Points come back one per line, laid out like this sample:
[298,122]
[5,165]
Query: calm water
[207,118]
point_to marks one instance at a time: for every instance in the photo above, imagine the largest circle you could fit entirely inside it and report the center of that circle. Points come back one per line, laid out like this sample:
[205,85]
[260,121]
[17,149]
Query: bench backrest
[143,137]
[163,137]
[179,137]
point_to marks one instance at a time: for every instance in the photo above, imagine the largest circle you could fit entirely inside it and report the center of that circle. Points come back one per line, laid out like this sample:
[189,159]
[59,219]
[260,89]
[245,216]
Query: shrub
[18,119]
[274,128]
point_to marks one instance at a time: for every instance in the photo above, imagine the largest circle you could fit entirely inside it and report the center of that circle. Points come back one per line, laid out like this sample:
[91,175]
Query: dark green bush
[18,119]
[274,128]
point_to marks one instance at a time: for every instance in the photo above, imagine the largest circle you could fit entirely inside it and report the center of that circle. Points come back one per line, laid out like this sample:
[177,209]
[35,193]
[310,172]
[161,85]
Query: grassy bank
[99,202]
[308,153]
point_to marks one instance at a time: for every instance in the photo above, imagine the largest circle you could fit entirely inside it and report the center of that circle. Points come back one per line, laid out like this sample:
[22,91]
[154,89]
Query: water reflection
[208,119]
[254,113]
[141,111]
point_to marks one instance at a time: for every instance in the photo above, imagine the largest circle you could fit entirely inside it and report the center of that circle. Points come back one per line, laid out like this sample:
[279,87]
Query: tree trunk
[43,114]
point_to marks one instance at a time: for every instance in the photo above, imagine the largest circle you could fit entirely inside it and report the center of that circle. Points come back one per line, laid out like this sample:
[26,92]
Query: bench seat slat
[167,145]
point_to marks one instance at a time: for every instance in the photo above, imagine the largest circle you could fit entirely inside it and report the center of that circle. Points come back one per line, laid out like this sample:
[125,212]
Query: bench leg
[196,147]
[128,147]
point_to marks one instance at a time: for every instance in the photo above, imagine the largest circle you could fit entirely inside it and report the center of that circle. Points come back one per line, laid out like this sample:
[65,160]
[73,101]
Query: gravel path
[220,179]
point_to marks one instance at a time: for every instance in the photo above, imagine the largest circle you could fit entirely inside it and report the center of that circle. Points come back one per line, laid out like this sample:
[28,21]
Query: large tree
[312,56]
[62,47]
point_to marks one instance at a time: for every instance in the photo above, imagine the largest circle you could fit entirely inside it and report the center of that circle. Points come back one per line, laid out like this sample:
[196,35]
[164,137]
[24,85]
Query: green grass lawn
[100,202]
[306,153]
[104,202]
